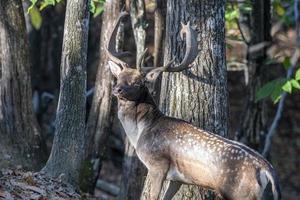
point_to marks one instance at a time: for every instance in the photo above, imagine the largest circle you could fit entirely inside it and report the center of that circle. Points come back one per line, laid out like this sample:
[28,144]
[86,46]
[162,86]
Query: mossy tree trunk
[68,145]
[20,141]
[198,95]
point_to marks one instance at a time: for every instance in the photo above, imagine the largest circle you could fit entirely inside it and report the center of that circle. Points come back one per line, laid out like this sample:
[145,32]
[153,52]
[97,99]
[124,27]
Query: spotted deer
[176,150]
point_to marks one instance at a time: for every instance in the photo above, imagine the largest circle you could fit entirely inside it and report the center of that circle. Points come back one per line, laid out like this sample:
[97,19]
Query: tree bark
[198,95]
[134,172]
[253,123]
[68,145]
[100,116]
[20,141]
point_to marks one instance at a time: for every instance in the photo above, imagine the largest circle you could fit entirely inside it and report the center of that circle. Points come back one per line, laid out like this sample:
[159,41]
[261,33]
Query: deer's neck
[137,116]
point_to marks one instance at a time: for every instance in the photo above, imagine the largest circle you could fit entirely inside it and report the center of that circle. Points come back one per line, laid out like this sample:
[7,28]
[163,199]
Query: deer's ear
[152,75]
[114,68]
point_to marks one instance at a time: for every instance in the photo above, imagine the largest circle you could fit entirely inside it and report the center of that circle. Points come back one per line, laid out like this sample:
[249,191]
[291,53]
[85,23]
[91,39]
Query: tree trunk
[100,117]
[134,172]
[68,145]
[20,141]
[198,95]
[253,123]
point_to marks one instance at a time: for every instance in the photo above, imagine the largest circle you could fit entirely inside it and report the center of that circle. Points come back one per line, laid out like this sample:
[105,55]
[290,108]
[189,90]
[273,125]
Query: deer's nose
[118,90]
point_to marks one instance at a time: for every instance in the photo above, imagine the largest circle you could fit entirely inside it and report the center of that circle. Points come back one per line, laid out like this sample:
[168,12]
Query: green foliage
[297,75]
[272,89]
[232,13]
[96,7]
[287,87]
[33,3]
[35,18]
[275,88]
[295,84]
[278,8]
[283,11]
[35,8]
[46,3]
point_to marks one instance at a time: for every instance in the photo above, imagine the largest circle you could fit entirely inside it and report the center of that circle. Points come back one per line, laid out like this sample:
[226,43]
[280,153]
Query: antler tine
[191,48]
[158,69]
[190,54]
[111,48]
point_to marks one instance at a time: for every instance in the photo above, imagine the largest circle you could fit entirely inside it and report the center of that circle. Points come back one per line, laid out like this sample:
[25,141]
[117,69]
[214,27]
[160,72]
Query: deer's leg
[172,189]
[157,178]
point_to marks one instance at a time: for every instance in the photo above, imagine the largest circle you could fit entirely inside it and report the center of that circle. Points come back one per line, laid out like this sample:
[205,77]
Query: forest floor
[17,184]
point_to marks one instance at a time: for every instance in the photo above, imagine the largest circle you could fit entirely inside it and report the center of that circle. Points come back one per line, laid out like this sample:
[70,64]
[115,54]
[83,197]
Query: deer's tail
[269,175]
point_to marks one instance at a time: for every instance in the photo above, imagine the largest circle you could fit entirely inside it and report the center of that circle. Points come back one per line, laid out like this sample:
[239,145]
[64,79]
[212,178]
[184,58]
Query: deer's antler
[190,54]
[111,48]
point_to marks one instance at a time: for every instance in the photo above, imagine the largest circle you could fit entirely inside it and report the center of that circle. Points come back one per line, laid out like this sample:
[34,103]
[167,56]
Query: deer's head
[131,81]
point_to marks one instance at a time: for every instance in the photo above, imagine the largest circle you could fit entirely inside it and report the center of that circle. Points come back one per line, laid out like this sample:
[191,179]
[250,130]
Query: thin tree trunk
[100,117]
[198,95]
[159,30]
[20,141]
[68,145]
[253,123]
[134,172]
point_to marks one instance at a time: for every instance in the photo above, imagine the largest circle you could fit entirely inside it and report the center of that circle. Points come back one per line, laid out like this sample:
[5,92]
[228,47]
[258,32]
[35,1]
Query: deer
[173,149]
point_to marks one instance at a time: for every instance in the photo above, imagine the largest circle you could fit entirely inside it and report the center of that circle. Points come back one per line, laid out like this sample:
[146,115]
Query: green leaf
[279,9]
[297,75]
[35,18]
[98,11]
[277,96]
[266,90]
[287,87]
[46,3]
[33,2]
[232,14]
[277,92]
[295,84]
[272,89]
[92,7]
